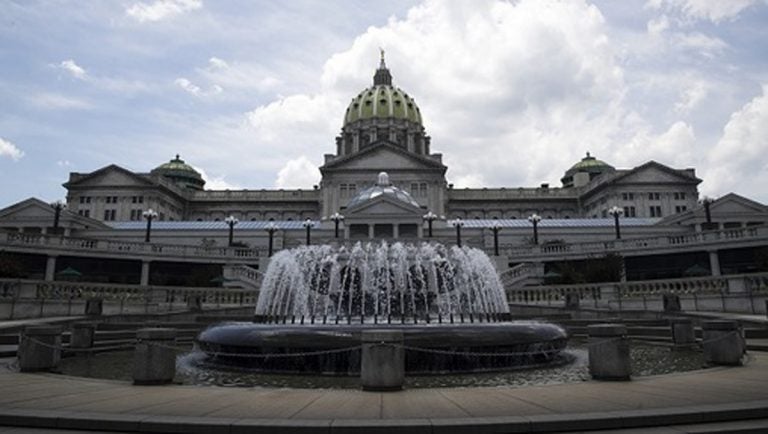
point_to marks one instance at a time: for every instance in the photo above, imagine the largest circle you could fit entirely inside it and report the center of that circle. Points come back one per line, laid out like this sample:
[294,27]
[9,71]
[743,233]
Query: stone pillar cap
[720,324]
[606,330]
[379,335]
[156,334]
[42,330]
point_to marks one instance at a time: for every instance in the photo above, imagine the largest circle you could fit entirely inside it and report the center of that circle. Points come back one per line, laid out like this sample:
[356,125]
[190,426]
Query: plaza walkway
[56,401]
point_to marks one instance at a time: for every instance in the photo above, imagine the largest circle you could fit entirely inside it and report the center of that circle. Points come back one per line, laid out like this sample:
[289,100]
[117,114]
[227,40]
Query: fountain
[316,300]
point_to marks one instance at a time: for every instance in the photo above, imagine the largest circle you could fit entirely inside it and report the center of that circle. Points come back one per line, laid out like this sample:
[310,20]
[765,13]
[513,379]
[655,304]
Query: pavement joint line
[448,398]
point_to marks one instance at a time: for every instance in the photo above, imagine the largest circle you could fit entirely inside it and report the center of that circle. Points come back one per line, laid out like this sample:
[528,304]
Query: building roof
[559,223]
[209,225]
[382,188]
[180,172]
[382,100]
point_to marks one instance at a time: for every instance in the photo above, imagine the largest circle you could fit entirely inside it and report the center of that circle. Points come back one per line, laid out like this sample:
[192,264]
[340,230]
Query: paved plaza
[57,401]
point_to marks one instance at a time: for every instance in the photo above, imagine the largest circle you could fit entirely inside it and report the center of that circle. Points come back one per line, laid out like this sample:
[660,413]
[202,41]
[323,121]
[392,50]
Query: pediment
[28,209]
[384,157]
[655,175]
[384,206]
[735,204]
[110,176]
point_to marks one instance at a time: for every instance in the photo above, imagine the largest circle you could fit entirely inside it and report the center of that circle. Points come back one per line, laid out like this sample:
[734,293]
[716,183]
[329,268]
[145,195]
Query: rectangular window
[655,211]
[624,196]
[86,213]
[343,190]
[629,211]
[423,189]
[654,196]
[82,199]
[109,214]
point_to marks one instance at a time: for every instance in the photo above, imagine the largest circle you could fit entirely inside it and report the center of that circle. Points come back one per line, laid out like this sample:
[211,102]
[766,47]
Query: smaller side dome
[180,173]
[589,167]
[385,188]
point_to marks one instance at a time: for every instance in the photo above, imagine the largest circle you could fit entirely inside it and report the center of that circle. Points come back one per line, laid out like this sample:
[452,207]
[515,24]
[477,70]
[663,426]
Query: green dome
[588,164]
[181,173]
[382,101]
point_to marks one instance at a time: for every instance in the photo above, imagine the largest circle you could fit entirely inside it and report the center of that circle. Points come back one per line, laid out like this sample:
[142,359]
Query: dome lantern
[180,173]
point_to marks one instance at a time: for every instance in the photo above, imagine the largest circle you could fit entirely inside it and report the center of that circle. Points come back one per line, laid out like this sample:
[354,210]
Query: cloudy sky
[253,92]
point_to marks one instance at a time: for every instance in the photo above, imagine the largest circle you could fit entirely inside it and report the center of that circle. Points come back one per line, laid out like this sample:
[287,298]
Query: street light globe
[458,222]
[57,204]
[534,218]
[615,211]
[308,223]
[430,216]
[336,217]
[231,220]
[271,227]
[149,214]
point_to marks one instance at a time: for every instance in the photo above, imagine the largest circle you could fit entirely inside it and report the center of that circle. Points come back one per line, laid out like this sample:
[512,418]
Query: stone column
[144,273]
[370,231]
[153,363]
[82,335]
[39,348]
[723,343]
[395,230]
[714,263]
[609,352]
[50,269]
[382,364]
[682,332]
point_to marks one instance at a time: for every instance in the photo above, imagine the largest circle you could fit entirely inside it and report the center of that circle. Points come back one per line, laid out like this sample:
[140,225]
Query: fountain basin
[430,348]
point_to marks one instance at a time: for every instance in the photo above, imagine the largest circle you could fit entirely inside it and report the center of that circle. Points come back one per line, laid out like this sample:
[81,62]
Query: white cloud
[195,90]
[298,173]
[55,101]
[161,9]
[713,10]
[216,63]
[8,149]
[692,96]
[73,68]
[739,162]
[673,147]
[216,182]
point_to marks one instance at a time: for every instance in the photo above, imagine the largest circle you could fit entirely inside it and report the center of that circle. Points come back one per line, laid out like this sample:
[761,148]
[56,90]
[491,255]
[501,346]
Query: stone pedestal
[82,334]
[572,300]
[609,352]
[153,363]
[94,306]
[382,364]
[682,332]
[722,342]
[671,302]
[195,303]
[36,352]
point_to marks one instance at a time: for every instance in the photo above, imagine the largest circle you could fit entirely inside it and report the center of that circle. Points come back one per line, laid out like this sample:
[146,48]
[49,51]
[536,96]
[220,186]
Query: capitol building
[383,182]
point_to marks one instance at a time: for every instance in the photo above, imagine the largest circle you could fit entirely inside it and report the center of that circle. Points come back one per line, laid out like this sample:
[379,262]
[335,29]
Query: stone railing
[517,274]
[58,290]
[70,244]
[740,293]
[697,239]
[246,274]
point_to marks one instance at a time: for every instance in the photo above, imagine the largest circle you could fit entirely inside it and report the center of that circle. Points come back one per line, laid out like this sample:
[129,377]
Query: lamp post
[271,229]
[707,201]
[308,225]
[496,228]
[231,221]
[429,218]
[616,212]
[57,206]
[458,224]
[535,219]
[150,215]
[337,218]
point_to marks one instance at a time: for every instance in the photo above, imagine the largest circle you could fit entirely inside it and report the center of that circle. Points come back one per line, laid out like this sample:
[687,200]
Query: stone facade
[382,132]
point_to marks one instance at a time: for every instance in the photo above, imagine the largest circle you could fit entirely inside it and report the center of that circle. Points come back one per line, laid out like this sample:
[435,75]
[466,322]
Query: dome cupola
[382,112]
[584,171]
[180,173]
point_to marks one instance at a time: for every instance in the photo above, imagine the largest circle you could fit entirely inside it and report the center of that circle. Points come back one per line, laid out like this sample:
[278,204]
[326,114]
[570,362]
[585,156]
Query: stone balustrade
[739,293]
[127,248]
[641,245]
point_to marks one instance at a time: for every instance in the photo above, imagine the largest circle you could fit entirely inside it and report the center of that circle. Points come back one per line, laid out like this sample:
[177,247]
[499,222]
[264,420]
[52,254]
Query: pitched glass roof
[558,223]
[209,225]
